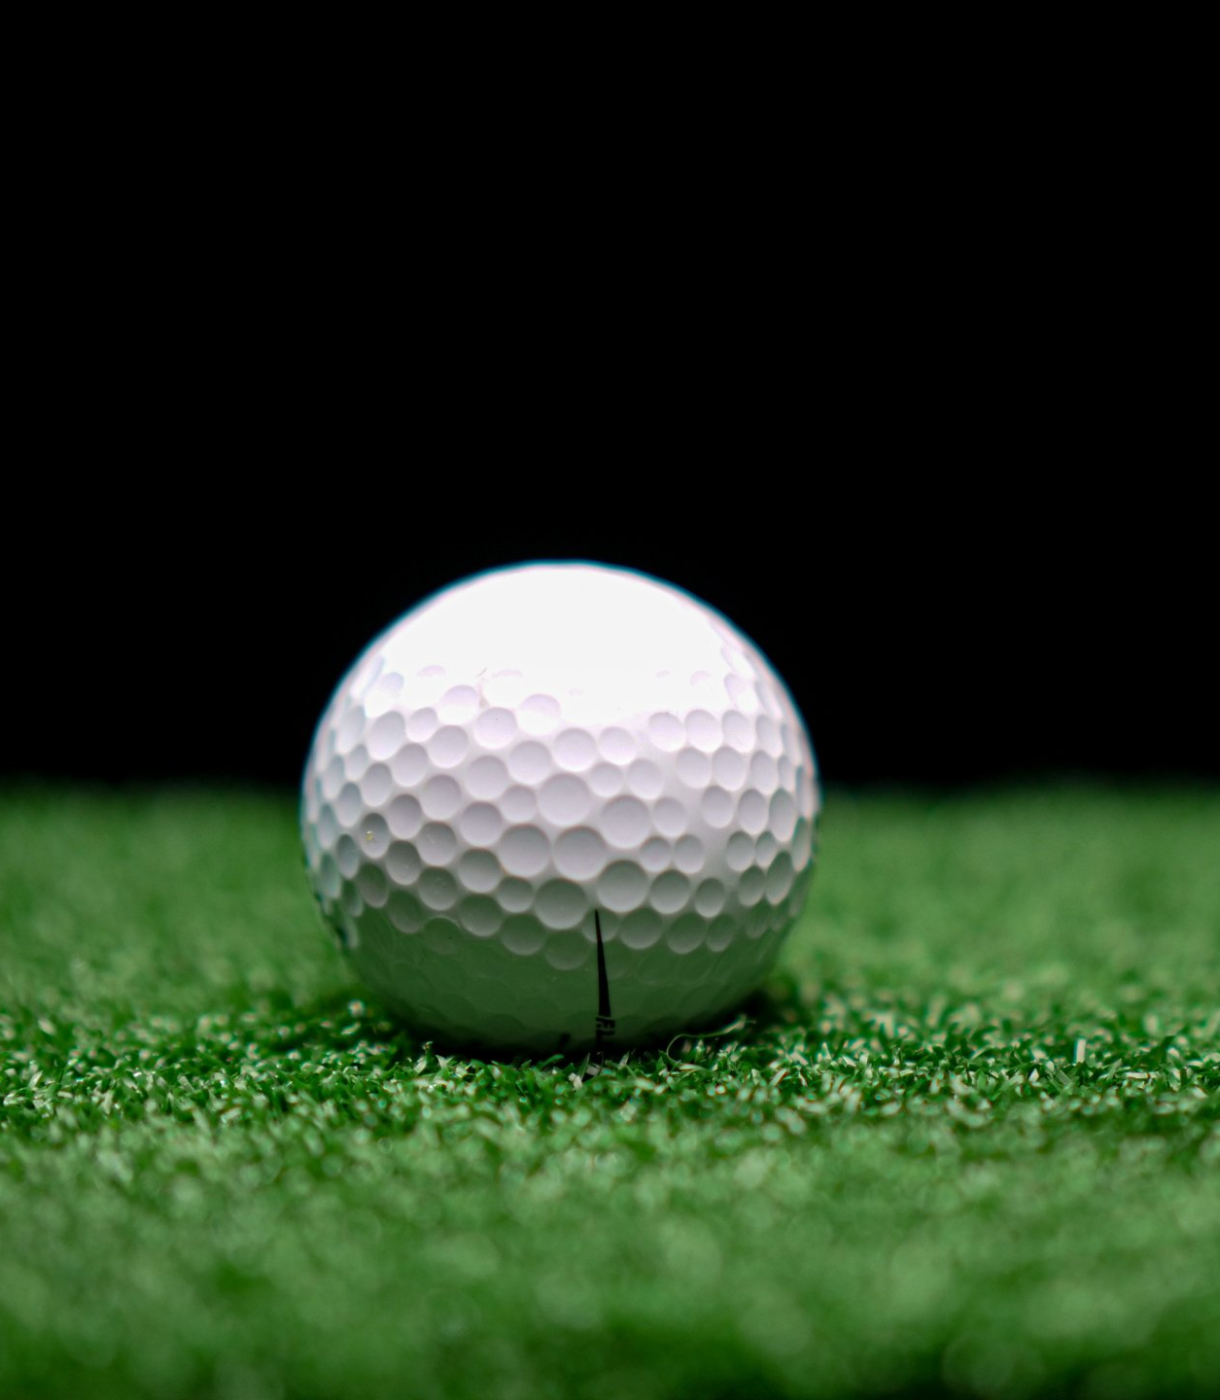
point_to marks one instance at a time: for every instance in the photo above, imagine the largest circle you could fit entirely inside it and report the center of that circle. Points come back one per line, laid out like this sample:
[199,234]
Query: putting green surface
[969,1142]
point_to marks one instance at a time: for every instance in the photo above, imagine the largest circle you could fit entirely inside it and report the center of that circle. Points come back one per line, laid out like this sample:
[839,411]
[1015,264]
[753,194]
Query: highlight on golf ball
[558,807]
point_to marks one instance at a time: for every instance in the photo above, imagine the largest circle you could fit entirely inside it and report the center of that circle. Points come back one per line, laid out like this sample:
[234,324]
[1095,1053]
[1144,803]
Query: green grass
[970,1140]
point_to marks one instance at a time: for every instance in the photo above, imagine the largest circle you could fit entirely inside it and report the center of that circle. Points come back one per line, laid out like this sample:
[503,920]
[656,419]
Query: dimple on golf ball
[560,806]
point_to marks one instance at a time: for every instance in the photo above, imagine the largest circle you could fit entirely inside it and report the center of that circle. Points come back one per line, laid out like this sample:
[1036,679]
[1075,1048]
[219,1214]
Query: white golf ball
[561,806]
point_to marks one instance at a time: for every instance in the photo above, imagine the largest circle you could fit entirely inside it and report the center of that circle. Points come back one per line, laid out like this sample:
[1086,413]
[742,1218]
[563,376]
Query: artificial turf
[969,1142]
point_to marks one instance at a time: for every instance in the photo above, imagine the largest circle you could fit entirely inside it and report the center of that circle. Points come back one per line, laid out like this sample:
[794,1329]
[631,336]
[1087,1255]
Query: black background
[930,430]
[940,625]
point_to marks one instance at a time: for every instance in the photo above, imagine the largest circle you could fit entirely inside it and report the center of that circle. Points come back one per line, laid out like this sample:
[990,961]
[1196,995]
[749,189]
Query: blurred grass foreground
[968,1142]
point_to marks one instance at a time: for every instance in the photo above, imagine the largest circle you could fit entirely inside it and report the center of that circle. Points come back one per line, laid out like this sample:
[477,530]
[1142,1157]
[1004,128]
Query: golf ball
[560,806]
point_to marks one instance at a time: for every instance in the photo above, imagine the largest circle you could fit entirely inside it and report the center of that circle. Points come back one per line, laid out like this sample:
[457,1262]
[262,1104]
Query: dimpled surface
[542,751]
